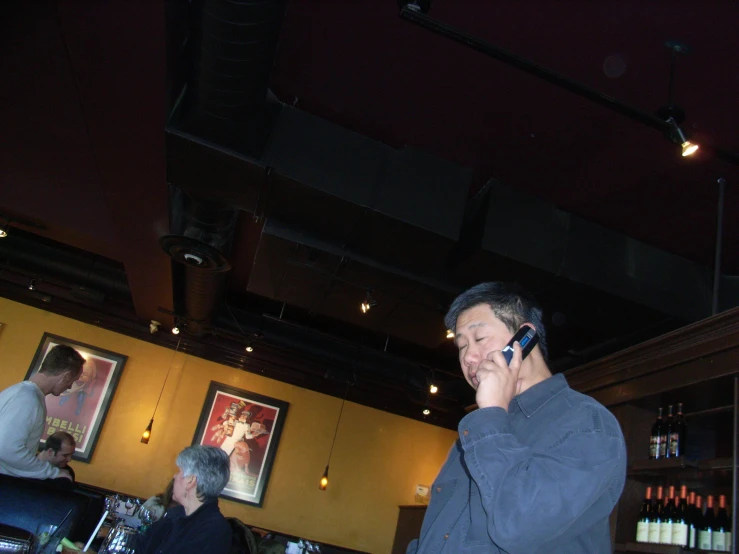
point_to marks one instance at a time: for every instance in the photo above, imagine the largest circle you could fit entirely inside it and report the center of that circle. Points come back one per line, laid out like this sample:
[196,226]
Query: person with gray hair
[196,525]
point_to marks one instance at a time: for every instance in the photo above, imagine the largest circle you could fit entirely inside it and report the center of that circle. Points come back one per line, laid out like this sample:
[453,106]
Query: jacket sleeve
[532,497]
[16,457]
[412,547]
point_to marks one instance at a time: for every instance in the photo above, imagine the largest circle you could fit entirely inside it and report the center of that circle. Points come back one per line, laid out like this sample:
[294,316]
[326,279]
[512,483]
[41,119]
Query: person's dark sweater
[204,530]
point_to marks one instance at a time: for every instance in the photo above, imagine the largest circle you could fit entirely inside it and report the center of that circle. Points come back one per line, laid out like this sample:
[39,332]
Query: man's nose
[471,356]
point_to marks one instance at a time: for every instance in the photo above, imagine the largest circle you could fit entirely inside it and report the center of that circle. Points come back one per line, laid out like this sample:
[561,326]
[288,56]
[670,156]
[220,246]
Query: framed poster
[81,409]
[247,426]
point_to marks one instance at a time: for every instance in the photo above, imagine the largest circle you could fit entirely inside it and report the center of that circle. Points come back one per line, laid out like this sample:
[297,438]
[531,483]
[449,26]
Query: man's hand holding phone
[498,381]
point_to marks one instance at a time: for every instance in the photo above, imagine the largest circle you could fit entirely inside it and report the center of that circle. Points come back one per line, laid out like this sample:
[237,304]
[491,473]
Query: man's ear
[192,482]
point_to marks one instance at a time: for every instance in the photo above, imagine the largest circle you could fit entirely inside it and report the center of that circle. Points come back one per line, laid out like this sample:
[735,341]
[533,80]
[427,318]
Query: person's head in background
[58,450]
[203,473]
[61,367]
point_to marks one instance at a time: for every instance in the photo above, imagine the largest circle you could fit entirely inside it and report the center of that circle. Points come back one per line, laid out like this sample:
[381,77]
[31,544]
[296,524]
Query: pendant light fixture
[147,432]
[673,114]
[323,483]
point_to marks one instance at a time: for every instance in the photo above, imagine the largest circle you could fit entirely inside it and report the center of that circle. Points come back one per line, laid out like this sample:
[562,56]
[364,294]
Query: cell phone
[526,336]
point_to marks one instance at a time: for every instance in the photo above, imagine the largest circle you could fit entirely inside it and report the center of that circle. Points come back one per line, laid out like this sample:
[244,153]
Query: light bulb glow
[147,432]
[175,330]
[433,389]
[323,483]
[365,307]
[3,233]
[250,348]
[449,334]
[426,411]
[689,148]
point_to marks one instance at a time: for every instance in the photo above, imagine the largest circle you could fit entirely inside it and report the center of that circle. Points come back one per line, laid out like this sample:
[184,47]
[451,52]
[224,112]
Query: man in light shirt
[23,414]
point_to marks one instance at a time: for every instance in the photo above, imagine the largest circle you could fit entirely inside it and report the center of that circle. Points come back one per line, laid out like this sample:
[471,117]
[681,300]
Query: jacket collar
[530,401]
[178,512]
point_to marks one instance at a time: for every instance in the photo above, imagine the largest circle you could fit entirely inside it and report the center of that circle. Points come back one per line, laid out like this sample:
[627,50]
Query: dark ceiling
[296,155]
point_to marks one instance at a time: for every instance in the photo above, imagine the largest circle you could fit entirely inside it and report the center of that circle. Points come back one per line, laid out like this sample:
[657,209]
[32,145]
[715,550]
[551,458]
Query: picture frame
[82,409]
[248,427]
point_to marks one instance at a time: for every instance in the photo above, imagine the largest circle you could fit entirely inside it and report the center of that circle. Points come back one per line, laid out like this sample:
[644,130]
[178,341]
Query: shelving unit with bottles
[697,365]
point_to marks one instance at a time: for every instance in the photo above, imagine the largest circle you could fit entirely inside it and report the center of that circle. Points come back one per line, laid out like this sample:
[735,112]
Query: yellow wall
[378,459]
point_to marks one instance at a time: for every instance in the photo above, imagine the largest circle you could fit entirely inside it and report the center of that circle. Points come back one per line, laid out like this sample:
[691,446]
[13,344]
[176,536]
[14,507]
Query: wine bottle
[655,522]
[680,518]
[645,516]
[666,433]
[656,438]
[692,519]
[705,531]
[676,441]
[665,528]
[721,528]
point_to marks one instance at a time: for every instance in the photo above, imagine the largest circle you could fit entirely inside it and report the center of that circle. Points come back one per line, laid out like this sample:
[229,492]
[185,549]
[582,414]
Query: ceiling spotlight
[249,348]
[32,285]
[175,330]
[426,411]
[433,389]
[688,148]
[154,326]
[3,230]
[449,334]
[368,302]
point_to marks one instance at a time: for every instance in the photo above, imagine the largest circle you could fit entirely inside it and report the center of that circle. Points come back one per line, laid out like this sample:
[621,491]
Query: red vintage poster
[247,427]
[81,410]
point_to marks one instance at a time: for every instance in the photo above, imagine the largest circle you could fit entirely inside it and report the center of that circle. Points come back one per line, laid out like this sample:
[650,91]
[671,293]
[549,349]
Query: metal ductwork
[534,232]
[351,178]
[234,44]
[202,234]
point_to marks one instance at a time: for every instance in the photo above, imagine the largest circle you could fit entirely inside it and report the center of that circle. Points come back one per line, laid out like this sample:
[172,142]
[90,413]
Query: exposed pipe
[235,46]
[561,81]
[35,257]
[719,240]
[235,43]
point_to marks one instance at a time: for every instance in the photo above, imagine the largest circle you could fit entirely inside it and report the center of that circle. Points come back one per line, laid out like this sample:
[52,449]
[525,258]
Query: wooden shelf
[704,475]
[717,464]
[655,548]
[662,464]
[651,467]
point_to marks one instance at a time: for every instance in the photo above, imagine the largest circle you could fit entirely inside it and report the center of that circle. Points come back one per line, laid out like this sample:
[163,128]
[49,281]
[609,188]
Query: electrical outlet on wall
[422,494]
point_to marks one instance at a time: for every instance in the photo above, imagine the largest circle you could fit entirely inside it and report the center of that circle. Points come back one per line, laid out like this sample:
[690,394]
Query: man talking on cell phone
[537,467]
